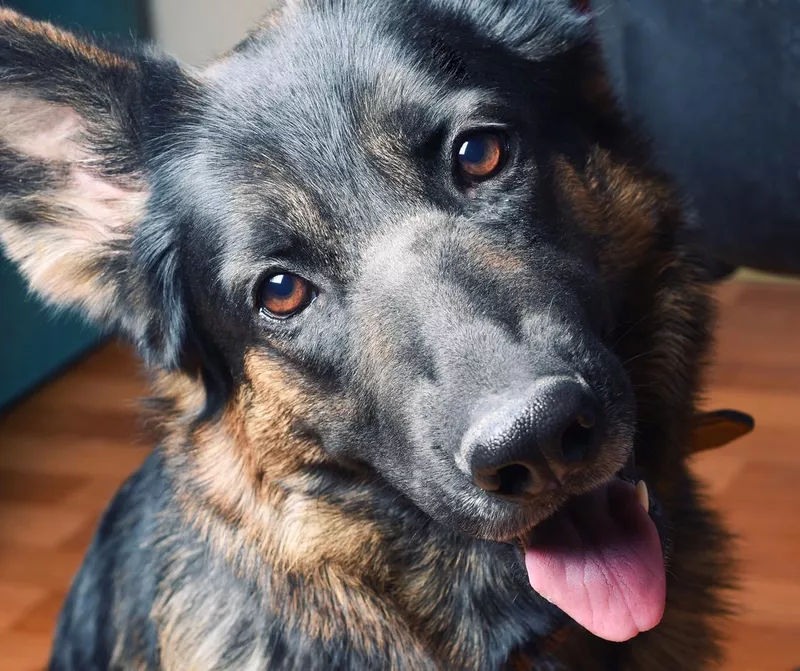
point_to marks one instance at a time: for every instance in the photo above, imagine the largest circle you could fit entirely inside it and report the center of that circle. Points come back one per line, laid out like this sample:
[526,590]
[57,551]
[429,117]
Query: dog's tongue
[600,561]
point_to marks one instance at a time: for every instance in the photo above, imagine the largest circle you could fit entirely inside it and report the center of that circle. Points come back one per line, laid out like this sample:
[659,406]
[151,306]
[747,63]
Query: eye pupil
[282,285]
[473,151]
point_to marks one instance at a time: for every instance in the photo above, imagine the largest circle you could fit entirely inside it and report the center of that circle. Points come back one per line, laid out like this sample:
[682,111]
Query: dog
[427,332]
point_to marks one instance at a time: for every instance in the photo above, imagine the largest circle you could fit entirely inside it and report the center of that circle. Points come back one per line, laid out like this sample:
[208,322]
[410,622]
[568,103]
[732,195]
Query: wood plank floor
[64,451]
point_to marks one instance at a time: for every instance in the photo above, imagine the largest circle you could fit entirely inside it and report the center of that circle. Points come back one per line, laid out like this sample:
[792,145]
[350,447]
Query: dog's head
[414,236]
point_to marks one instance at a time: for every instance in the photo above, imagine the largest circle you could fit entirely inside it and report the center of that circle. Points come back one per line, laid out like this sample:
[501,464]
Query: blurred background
[714,84]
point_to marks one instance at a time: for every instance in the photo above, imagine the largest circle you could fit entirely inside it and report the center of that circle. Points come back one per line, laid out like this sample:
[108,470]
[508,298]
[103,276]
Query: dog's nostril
[577,442]
[515,480]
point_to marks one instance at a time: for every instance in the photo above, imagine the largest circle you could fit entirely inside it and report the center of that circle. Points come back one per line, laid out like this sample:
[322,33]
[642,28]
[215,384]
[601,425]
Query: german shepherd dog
[426,329]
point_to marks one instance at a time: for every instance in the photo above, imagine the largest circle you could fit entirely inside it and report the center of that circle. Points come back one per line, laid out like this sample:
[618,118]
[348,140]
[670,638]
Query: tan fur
[390,153]
[195,626]
[611,202]
[246,467]
[423,595]
[54,260]
[77,228]
[496,258]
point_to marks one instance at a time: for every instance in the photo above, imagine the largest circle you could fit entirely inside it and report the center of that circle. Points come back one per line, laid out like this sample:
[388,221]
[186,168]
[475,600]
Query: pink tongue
[600,561]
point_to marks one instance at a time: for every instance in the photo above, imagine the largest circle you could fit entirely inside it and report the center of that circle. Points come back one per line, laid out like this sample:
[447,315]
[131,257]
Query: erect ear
[78,128]
[531,28]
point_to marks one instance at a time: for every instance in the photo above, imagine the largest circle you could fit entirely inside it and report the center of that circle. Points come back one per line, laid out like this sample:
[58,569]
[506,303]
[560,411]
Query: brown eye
[283,295]
[481,155]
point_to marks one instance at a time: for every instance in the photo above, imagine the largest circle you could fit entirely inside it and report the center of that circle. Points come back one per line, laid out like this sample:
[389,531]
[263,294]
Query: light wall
[196,30]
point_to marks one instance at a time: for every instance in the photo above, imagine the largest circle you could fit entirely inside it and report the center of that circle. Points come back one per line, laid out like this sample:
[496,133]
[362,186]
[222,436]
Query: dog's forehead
[312,136]
[313,130]
[332,81]
[309,94]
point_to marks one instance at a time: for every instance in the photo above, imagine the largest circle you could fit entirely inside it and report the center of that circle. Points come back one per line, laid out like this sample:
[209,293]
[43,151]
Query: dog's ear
[533,29]
[79,127]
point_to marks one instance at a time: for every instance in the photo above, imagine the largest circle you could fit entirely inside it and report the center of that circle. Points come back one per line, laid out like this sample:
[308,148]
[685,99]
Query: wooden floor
[64,451]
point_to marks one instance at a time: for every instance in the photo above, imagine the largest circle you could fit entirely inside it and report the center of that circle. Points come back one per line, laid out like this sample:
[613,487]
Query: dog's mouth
[599,559]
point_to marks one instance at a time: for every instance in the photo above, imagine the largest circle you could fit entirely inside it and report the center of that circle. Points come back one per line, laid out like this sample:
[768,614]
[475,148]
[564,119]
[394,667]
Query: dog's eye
[481,155]
[283,295]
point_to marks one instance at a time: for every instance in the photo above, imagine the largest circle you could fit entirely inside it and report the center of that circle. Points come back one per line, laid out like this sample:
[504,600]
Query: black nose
[519,447]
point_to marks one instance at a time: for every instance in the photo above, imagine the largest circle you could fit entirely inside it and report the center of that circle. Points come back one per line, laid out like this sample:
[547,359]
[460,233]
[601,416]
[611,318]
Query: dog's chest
[460,609]
[470,602]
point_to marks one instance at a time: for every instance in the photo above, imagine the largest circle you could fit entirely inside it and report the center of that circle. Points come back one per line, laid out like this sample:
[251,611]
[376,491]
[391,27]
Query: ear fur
[533,29]
[79,127]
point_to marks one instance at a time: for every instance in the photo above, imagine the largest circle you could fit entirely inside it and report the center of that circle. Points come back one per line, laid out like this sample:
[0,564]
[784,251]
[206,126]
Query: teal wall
[35,343]
[113,17]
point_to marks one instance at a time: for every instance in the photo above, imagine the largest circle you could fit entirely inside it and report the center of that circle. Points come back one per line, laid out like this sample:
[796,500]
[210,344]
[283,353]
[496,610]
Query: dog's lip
[627,473]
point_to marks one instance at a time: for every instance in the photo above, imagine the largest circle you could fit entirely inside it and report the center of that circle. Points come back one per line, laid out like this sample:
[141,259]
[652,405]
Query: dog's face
[381,216]
[415,220]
